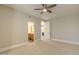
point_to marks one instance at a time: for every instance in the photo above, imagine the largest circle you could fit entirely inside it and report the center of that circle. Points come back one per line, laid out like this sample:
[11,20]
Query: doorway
[45,30]
[31,32]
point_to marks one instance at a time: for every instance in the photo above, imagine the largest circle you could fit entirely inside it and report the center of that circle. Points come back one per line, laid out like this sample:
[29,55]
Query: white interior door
[45,30]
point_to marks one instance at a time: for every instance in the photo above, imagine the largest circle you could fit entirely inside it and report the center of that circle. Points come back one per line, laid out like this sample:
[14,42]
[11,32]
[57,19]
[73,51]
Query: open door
[45,30]
[31,32]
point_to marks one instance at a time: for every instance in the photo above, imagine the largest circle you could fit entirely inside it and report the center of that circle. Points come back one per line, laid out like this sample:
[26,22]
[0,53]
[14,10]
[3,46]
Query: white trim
[66,41]
[11,47]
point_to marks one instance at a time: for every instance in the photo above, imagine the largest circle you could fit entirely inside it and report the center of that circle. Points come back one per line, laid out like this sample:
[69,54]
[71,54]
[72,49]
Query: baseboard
[66,41]
[11,47]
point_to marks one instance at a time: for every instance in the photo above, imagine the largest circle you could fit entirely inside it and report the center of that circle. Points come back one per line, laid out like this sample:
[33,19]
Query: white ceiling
[59,10]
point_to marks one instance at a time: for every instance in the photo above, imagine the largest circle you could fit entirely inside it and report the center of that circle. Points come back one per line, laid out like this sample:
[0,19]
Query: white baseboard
[11,47]
[66,41]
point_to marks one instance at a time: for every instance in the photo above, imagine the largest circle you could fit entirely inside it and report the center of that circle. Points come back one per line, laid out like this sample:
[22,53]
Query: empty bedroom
[39,29]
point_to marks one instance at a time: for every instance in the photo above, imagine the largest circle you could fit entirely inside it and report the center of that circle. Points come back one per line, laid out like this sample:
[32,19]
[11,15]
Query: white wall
[5,26]
[65,28]
[13,26]
[19,27]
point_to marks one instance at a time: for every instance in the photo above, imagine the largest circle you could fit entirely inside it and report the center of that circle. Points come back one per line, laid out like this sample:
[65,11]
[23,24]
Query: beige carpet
[45,48]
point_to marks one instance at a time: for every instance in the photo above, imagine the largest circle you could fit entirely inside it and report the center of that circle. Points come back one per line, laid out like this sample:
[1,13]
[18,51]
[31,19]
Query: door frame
[34,29]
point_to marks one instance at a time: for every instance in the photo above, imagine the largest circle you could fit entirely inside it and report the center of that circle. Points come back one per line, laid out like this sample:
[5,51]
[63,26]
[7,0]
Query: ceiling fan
[46,8]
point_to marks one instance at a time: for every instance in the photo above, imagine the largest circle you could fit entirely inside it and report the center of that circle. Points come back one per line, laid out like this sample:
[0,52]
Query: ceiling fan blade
[38,9]
[49,11]
[51,6]
[43,5]
[41,12]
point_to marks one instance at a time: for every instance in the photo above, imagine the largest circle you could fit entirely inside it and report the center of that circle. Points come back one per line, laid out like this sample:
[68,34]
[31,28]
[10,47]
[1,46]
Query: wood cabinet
[30,36]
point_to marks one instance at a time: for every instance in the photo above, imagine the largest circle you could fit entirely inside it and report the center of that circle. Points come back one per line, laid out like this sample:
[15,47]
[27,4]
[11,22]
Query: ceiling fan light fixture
[44,9]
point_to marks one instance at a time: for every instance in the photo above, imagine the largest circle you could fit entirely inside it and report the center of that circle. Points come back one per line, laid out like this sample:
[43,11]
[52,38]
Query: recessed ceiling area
[59,10]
